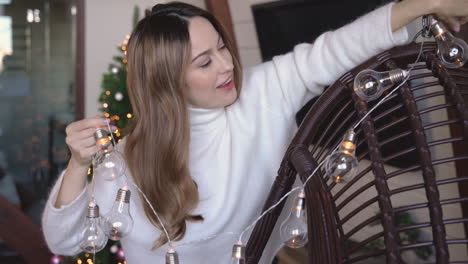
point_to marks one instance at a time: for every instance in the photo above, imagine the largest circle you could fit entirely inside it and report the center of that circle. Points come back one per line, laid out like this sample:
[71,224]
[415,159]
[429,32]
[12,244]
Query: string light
[342,165]
[452,51]
[238,253]
[118,222]
[370,84]
[293,230]
[108,163]
[92,237]
[171,255]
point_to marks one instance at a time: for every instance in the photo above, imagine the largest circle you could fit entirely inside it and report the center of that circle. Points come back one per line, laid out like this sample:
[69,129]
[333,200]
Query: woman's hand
[80,139]
[453,13]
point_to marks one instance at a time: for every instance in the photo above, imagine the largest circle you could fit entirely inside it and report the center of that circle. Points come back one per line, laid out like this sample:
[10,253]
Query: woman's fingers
[93,122]
[80,138]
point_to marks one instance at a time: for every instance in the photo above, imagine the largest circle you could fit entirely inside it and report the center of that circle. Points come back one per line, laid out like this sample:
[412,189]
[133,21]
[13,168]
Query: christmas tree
[114,98]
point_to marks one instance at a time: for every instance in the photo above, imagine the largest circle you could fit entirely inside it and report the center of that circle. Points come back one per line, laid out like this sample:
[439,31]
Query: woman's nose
[225,61]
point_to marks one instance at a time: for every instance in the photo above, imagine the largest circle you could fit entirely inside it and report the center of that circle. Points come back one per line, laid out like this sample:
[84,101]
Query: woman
[204,151]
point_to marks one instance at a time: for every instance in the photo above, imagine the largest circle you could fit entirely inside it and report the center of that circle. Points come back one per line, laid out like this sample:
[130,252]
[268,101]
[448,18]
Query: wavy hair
[158,137]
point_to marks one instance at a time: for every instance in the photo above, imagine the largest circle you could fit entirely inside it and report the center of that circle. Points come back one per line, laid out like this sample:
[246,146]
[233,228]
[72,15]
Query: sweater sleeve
[61,225]
[303,73]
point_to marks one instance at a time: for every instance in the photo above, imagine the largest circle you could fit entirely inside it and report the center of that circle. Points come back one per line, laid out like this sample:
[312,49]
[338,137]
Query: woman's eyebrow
[208,51]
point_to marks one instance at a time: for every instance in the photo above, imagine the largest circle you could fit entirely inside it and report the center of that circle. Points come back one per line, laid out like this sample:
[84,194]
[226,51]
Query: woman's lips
[227,86]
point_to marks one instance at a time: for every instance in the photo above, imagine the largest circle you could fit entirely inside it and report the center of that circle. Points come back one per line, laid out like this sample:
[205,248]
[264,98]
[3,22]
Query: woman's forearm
[73,183]
[408,10]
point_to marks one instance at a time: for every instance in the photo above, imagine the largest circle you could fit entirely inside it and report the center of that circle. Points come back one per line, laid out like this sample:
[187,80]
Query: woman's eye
[206,64]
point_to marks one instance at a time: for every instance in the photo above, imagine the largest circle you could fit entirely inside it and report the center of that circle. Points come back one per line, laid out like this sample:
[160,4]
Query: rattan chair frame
[322,128]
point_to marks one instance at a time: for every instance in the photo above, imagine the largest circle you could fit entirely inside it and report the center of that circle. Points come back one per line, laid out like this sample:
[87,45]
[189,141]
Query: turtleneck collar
[206,119]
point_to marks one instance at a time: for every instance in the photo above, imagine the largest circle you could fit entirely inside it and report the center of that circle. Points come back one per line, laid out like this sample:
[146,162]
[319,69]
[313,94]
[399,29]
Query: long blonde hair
[157,145]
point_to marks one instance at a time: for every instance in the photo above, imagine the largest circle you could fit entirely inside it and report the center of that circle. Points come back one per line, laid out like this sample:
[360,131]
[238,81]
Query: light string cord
[292,190]
[355,126]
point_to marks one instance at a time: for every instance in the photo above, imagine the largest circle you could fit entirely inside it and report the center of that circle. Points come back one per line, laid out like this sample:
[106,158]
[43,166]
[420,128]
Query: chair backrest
[406,196]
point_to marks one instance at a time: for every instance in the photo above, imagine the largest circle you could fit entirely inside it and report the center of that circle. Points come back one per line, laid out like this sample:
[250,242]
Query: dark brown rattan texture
[401,117]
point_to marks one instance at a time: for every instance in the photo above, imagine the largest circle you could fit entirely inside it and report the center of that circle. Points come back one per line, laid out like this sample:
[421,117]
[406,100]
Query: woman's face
[210,73]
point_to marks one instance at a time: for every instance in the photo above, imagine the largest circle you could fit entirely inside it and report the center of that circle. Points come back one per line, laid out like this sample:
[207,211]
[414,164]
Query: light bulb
[172,257]
[118,222]
[238,254]
[108,163]
[293,230]
[342,165]
[370,84]
[452,51]
[93,238]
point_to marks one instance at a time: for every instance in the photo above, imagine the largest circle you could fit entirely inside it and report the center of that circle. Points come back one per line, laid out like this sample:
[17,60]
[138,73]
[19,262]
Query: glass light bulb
[293,230]
[452,51]
[118,222]
[342,165]
[370,84]
[172,257]
[108,163]
[93,238]
[238,254]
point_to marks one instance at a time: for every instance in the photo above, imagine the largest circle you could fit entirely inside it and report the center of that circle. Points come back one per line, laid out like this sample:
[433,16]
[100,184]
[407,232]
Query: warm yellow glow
[440,34]
[338,179]
[90,261]
[116,131]
[115,117]
[124,60]
[106,114]
[89,171]
[102,141]
[349,145]
[119,140]
[125,41]
[105,105]
[86,255]
[124,48]
[128,36]
[79,261]
[107,92]
[125,53]
[129,116]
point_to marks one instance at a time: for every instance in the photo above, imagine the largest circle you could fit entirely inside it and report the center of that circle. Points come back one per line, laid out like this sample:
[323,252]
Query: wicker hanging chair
[404,168]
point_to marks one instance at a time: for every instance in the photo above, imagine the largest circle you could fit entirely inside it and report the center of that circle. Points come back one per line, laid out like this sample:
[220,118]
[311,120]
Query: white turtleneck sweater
[235,152]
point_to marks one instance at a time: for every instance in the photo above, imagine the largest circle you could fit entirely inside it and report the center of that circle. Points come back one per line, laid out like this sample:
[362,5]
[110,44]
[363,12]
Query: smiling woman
[209,77]
[203,152]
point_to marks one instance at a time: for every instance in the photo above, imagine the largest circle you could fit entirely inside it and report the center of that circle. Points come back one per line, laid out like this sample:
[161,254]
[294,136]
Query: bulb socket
[437,29]
[350,136]
[123,195]
[238,251]
[100,134]
[93,210]
[299,203]
[397,75]
[172,257]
